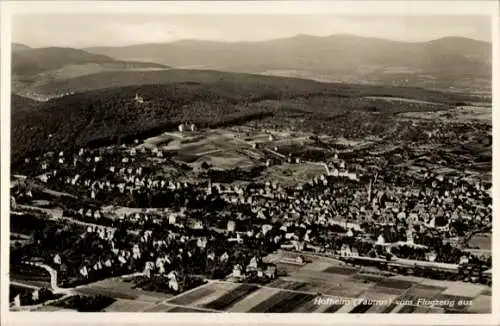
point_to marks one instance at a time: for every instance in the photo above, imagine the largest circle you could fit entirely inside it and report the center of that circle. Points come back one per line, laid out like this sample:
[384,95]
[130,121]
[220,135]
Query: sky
[85,30]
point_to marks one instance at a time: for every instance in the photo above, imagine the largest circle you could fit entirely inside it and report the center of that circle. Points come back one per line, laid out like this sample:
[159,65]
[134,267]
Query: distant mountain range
[454,62]
[451,63]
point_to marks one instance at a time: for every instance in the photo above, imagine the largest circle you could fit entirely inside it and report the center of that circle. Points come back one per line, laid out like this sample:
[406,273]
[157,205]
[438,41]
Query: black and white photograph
[319,163]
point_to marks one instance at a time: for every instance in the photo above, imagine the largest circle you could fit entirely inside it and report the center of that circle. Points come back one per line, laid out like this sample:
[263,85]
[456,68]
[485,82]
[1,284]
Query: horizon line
[256,41]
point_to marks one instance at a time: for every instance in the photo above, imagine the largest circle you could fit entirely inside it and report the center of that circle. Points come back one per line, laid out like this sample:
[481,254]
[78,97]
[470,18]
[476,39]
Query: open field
[228,299]
[283,301]
[327,278]
[50,308]
[218,148]
[30,275]
[292,173]
[119,289]
[400,99]
[296,293]
[225,160]
[233,148]
[212,294]
[124,305]
[462,114]
[163,307]
[483,241]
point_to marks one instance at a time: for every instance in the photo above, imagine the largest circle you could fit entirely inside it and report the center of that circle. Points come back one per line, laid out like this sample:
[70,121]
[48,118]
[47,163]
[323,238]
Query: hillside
[16,47]
[238,82]
[34,61]
[21,103]
[448,62]
[210,99]
[34,67]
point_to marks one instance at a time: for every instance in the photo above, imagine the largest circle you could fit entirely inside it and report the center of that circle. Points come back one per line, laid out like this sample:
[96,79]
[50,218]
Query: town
[195,211]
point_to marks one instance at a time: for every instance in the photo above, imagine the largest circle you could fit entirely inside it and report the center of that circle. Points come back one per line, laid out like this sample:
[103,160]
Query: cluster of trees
[23,103]
[159,283]
[111,115]
[26,295]
[28,223]
[229,176]
[241,84]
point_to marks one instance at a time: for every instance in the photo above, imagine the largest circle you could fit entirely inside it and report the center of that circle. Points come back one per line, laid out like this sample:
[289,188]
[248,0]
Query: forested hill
[111,115]
[239,82]
[23,103]
[30,62]
[33,67]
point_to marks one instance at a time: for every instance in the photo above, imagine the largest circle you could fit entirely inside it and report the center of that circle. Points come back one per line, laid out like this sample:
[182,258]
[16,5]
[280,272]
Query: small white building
[253,264]
[409,237]
[139,99]
[380,240]
[345,251]
[231,226]
[431,256]
[237,271]
[271,271]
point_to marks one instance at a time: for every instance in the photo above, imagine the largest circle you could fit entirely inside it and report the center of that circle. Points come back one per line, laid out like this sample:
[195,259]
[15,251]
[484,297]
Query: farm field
[30,275]
[329,279]
[123,305]
[50,308]
[400,99]
[462,114]
[119,289]
[292,173]
[483,241]
[218,148]
[224,149]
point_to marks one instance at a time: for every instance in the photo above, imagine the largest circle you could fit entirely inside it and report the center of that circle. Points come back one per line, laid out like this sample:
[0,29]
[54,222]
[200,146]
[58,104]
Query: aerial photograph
[245,163]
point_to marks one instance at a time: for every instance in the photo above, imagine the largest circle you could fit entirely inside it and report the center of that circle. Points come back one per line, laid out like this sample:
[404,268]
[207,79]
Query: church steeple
[209,187]
[138,98]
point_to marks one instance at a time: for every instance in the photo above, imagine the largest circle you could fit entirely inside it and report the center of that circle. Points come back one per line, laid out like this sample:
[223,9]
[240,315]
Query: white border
[5,47]
[401,7]
[495,29]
